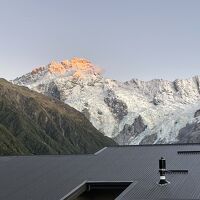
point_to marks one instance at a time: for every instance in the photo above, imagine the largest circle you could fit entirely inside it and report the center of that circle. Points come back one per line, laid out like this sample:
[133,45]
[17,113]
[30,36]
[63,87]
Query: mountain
[131,112]
[31,123]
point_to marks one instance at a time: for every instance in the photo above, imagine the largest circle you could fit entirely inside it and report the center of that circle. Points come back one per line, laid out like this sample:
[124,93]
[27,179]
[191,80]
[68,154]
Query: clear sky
[142,39]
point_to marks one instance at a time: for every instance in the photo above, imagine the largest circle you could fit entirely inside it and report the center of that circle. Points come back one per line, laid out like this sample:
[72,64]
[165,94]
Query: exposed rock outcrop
[190,133]
[131,131]
[197,113]
[116,106]
[53,90]
[149,139]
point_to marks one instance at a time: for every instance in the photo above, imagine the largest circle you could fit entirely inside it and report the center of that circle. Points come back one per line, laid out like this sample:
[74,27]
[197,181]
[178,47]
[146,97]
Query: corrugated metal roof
[53,177]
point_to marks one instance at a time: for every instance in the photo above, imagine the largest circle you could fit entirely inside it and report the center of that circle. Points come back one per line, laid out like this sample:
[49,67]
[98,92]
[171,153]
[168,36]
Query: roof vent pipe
[162,171]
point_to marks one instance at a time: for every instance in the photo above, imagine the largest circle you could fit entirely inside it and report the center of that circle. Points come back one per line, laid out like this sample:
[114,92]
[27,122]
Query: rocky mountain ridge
[31,123]
[131,112]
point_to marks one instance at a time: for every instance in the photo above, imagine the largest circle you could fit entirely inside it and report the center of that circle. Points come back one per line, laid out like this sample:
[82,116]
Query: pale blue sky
[142,39]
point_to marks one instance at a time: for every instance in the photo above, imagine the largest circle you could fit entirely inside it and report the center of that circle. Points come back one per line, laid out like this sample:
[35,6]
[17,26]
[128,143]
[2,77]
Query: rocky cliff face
[132,112]
[31,123]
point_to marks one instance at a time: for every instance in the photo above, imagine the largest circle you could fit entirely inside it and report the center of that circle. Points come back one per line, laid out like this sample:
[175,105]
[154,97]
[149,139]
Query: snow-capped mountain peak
[74,69]
[133,112]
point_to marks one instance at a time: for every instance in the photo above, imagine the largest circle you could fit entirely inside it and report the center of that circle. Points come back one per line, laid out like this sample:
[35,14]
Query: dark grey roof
[53,177]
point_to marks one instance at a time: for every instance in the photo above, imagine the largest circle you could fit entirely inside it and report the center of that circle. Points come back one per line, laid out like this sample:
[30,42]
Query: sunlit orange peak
[56,68]
[80,63]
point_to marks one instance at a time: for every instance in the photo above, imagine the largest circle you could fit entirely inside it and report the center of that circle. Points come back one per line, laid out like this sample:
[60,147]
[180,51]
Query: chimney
[162,171]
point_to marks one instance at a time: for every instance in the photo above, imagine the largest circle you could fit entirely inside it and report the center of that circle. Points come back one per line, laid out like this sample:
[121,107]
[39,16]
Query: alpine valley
[131,112]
